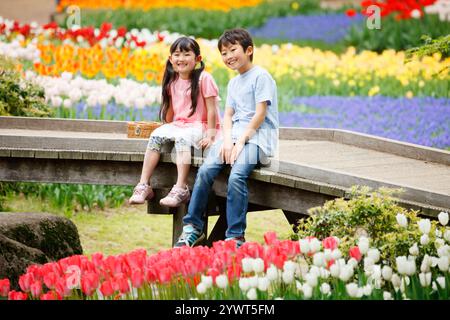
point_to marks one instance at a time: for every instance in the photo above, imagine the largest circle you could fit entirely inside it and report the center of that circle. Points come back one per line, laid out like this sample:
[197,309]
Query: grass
[117,231]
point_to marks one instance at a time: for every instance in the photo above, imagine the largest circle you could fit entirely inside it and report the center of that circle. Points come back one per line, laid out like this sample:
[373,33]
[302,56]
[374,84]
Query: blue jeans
[237,193]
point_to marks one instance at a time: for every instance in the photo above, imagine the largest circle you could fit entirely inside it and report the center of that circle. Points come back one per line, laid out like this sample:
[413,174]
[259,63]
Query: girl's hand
[225,151]
[237,149]
[206,142]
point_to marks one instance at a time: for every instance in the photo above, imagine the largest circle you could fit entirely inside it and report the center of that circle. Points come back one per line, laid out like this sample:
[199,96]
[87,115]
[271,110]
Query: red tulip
[89,283]
[50,296]
[350,13]
[137,278]
[50,280]
[107,289]
[355,253]
[270,238]
[4,287]
[14,295]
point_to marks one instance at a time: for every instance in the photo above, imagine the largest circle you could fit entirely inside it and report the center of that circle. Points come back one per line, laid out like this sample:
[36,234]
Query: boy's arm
[211,116]
[227,146]
[255,123]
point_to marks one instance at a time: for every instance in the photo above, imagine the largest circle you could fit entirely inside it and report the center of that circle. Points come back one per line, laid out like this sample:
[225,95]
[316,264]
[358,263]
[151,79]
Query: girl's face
[184,62]
[235,58]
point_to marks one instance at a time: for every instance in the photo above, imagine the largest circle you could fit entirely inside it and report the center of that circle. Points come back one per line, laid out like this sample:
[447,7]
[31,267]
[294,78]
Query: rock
[34,238]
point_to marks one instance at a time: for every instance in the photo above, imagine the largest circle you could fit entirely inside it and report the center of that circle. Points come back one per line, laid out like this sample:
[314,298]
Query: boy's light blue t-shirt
[243,93]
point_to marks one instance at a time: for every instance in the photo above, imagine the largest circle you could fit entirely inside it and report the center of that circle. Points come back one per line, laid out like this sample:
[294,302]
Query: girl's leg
[183,166]
[151,160]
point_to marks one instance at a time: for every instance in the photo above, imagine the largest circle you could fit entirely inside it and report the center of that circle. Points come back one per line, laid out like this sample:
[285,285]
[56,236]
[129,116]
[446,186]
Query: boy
[250,132]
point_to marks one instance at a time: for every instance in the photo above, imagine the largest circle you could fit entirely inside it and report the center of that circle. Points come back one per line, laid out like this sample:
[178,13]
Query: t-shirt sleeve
[208,86]
[230,101]
[264,89]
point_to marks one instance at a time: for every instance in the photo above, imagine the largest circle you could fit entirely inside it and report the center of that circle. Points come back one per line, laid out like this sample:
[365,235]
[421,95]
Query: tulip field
[331,72]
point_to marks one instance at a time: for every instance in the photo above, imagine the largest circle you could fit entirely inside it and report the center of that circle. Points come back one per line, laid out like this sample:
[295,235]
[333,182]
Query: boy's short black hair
[234,36]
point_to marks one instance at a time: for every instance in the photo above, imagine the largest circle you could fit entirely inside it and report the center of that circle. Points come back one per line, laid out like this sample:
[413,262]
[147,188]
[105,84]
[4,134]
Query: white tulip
[336,254]
[303,266]
[307,291]
[424,226]
[244,285]
[325,288]
[311,279]
[335,270]
[438,233]
[425,279]
[434,261]
[247,264]
[439,243]
[352,262]
[251,294]
[222,281]
[368,262]
[352,289]
[443,251]
[416,14]
[374,254]
[327,255]
[56,101]
[386,273]
[315,245]
[272,273]
[319,259]
[263,284]
[290,266]
[298,285]
[395,279]
[426,264]
[258,265]
[367,290]
[201,288]
[346,273]
[207,281]
[441,282]
[424,239]
[414,250]
[67,103]
[447,235]
[304,246]
[288,276]
[443,263]
[401,220]
[387,295]
[253,281]
[443,218]
[363,244]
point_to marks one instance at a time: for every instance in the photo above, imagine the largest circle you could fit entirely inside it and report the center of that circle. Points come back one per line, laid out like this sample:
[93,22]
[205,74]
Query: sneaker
[239,240]
[190,237]
[141,193]
[176,197]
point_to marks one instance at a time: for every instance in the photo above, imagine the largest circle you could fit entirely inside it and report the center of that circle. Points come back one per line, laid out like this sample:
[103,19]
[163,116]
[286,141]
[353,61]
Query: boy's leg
[202,186]
[237,195]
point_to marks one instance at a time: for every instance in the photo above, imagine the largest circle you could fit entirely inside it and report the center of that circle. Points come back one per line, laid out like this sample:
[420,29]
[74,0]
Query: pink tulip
[137,278]
[107,289]
[25,281]
[270,238]
[36,289]
[50,280]
[330,243]
[50,296]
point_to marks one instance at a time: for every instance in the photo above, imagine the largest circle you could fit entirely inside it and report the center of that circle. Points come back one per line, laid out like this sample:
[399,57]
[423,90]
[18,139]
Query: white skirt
[192,134]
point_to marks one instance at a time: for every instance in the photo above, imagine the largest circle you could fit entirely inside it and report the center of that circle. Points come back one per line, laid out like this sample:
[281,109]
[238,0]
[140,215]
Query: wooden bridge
[313,166]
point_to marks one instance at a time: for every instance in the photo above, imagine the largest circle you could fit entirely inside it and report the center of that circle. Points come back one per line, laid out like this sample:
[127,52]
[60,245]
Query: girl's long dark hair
[182,44]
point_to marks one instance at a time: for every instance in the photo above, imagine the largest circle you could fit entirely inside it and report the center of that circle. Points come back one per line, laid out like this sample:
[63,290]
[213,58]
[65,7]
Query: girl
[189,115]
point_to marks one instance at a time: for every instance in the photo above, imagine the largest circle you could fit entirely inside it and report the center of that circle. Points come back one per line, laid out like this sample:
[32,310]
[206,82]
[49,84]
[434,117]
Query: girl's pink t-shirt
[180,91]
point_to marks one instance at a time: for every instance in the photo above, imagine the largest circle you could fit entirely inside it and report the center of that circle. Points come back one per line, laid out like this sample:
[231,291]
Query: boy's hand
[237,149]
[225,151]
[206,142]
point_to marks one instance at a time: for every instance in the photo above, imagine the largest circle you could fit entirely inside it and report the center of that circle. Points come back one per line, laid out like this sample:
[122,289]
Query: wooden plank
[18,153]
[46,154]
[63,154]
[5,152]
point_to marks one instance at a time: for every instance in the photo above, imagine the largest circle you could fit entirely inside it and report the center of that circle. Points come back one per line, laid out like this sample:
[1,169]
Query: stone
[34,238]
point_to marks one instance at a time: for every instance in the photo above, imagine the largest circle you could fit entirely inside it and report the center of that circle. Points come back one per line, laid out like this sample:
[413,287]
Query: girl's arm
[169,116]
[255,123]
[211,133]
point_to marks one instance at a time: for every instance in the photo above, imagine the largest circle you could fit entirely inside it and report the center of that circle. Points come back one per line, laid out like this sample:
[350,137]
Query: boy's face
[235,58]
